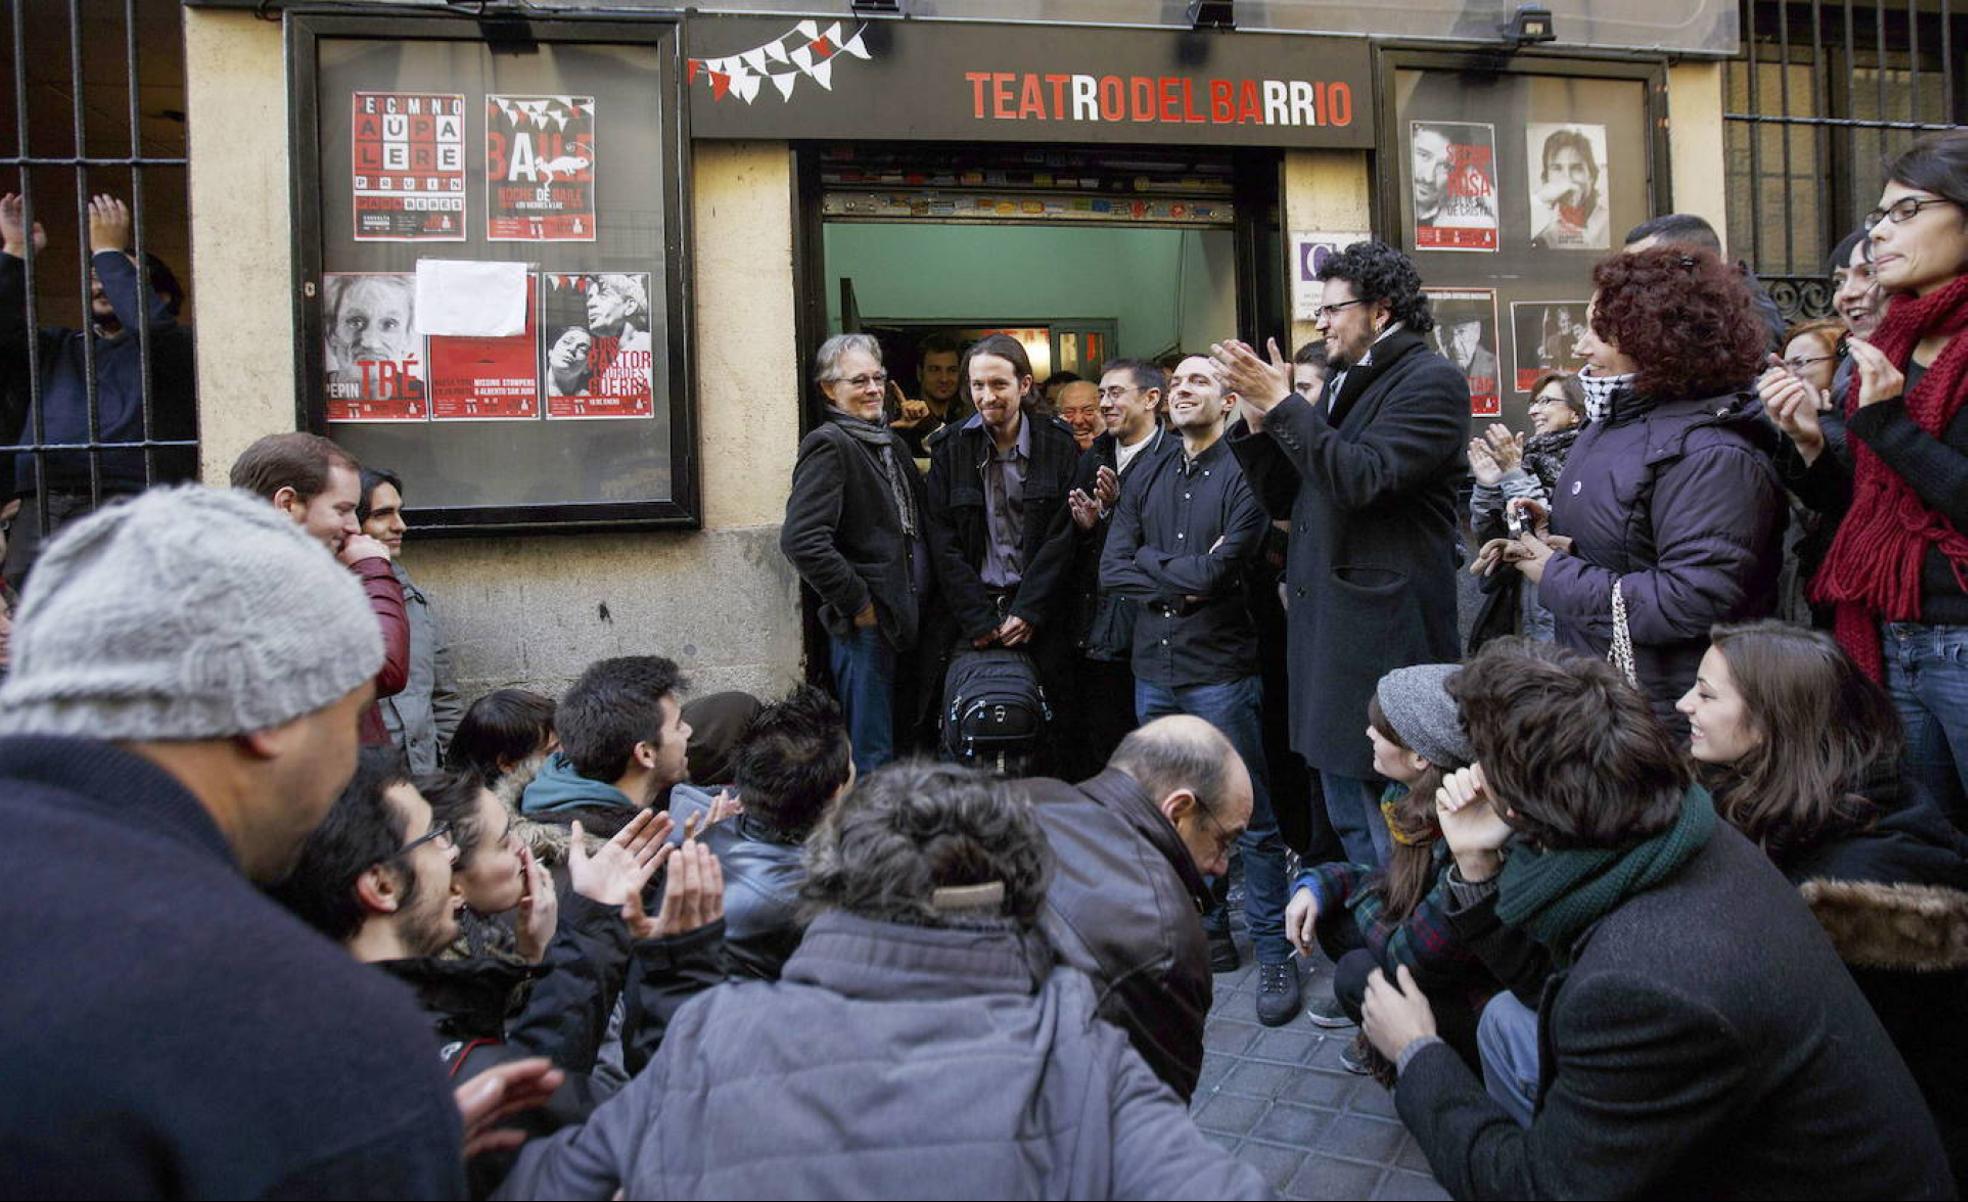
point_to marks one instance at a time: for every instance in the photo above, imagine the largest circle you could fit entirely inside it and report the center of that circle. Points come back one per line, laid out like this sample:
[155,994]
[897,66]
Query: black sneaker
[1222,952]
[1325,1011]
[1357,1057]
[1278,997]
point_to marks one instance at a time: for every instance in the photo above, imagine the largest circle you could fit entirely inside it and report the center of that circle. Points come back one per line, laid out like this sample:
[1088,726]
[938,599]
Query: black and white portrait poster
[1568,186]
[407,166]
[540,168]
[1452,183]
[1545,334]
[373,354]
[600,358]
[1466,335]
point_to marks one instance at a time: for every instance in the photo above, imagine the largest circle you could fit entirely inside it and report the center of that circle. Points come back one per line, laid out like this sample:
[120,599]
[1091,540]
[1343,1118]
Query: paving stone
[1411,1157]
[1399,1184]
[1215,1068]
[1289,1044]
[1232,1114]
[1223,1139]
[1259,1078]
[1277,1164]
[1323,1176]
[1314,1087]
[1363,1138]
[1373,1098]
[1229,1035]
[1326,1055]
[1301,1127]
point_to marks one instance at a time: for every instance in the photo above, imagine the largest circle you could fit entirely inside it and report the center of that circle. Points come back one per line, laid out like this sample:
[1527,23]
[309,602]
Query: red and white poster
[1452,183]
[1466,335]
[488,379]
[408,166]
[540,168]
[601,360]
[372,353]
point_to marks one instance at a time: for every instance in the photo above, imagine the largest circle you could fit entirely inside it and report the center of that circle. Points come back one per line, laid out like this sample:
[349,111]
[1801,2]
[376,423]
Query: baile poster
[1568,187]
[1466,335]
[407,166]
[1453,185]
[600,360]
[488,379]
[372,353]
[540,168]
[1545,334]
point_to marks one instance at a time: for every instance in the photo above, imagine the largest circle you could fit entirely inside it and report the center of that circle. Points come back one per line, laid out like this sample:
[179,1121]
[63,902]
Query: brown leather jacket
[1125,906]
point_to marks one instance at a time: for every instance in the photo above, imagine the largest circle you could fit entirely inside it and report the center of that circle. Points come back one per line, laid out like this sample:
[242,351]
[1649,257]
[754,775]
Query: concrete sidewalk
[1277,1097]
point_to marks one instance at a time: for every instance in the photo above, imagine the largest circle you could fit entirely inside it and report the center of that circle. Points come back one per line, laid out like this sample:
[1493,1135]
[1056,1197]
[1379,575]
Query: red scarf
[1872,572]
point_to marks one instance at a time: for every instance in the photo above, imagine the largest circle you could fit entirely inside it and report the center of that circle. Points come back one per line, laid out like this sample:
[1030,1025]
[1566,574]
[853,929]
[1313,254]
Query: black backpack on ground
[994,711]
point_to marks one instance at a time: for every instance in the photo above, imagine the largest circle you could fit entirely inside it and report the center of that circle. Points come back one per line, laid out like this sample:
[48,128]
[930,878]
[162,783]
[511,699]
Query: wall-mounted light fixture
[1528,26]
[1212,14]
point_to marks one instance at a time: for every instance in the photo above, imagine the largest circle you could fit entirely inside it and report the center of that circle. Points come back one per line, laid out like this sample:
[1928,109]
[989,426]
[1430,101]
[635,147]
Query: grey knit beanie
[1417,705]
[185,613]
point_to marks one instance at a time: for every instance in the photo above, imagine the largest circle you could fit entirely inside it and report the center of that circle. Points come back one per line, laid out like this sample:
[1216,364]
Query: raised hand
[1086,510]
[1259,384]
[693,896]
[1106,487]
[109,225]
[1506,448]
[13,227]
[539,908]
[619,868]
[1471,825]
[1879,380]
[1793,407]
[1483,464]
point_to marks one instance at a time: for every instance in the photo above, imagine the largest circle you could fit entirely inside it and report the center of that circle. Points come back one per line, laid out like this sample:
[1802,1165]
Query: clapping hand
[693,896]
[539,909]
[1793,407]
[1879,380]
[1506,448]
[109,225]
[619,868]
[13,227]
[1086,510]
[1257,383]
[1483,464]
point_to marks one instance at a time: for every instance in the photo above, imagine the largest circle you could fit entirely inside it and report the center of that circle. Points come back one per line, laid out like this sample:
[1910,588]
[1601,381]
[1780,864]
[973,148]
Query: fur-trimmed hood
[547,838]
[1903,928]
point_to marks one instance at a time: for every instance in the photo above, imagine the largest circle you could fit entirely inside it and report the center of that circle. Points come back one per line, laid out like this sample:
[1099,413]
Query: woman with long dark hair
[1799,748]
[1668,514]
[1897,569]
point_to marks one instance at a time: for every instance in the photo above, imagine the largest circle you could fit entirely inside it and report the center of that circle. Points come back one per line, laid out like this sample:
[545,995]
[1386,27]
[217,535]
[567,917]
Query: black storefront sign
[821,78]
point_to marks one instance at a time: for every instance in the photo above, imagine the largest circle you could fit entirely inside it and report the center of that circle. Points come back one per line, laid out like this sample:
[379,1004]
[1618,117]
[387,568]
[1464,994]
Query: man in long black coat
[1367,476]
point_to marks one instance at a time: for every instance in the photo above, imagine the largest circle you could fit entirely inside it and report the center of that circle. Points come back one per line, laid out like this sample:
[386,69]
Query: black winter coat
[1680,503]
[1371,564]
[956,526]
[1124,906]
[844,537]
[1706,1042]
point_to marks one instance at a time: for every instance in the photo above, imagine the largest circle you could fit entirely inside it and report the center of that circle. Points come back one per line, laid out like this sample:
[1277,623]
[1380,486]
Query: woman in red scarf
[1897,572]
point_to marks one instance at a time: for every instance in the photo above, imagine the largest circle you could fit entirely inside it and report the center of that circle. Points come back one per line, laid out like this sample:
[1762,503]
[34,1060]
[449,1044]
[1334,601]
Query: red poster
[600,355]
[1452,183]
[540,168]
[407,166]
[488,379]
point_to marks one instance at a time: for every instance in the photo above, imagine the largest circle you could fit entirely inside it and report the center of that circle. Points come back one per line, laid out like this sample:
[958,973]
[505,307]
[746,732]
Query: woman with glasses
[1668,515]
[854,533]
[1896,574]
[1507,466]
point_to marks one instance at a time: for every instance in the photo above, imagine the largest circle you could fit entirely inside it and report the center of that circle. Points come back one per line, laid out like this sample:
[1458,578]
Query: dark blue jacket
[63,359]
[1679,501]
[171,1032]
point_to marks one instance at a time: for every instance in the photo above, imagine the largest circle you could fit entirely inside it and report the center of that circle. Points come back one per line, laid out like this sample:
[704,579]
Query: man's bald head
[1182,752]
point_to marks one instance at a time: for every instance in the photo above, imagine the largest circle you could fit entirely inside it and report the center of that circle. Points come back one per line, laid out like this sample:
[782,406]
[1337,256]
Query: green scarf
[1554,895]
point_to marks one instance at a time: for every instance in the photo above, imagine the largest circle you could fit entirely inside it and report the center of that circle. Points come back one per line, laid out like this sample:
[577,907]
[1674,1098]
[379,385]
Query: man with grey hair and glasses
[854,533]
[921,1041]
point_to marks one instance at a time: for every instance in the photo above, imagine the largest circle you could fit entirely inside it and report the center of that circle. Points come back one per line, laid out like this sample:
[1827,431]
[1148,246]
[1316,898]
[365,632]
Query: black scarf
[886,446]
[1544,456]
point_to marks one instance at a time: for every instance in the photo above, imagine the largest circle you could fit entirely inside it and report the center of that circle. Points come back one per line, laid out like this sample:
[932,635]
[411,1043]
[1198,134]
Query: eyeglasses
[1325,312]
[1804,361]
[1902,210]
[439,833]
[1117,392]
[1223,837]
[879,380]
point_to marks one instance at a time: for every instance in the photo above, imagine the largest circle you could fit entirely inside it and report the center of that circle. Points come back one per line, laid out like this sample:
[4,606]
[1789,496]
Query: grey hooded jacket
[421,718]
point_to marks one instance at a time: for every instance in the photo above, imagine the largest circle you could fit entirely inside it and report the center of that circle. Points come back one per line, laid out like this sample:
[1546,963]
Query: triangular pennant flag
[746,87]
[720,84]
[785,84]
[854,47]
[776,51]
[804,59]
[822,48]
[755,59]
[808,29]
[833,35]
[696,65]
[823,74]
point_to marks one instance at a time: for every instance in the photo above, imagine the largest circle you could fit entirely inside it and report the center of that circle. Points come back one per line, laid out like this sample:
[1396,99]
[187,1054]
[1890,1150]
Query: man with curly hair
[1367,475]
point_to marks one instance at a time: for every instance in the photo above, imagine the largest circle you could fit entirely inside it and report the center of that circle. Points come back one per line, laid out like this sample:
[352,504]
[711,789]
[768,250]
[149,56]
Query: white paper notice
[471,299]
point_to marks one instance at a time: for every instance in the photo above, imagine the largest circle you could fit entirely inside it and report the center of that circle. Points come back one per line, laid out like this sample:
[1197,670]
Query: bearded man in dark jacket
[1367,476]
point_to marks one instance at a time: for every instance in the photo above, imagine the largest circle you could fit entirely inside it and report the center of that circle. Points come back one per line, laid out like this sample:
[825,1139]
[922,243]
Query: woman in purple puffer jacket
[1669,492]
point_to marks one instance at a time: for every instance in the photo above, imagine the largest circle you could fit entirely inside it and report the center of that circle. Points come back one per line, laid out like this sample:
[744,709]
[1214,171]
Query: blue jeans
[864,681]
[1353,807]
[1507,1038]
[1236,710]
[1927,675]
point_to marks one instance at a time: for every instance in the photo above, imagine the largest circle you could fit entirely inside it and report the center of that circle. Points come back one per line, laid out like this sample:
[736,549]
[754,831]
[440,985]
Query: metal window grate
[97,108]
[1824,91]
